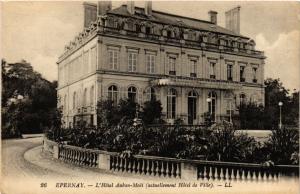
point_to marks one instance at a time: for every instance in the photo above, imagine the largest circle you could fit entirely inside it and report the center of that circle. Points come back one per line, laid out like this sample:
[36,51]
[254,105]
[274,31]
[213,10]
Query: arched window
[85,97]
[150,94]
[242,99]
[212,101]
[171,104]
[113,93]
[74,100]
[92,93]
[132,94]
[192,107]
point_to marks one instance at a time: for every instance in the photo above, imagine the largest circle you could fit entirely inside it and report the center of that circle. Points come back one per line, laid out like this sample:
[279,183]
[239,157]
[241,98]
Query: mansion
[192,66]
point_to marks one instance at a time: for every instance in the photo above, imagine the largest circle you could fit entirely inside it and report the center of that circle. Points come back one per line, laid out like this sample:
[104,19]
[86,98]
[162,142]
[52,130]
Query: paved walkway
[25,168]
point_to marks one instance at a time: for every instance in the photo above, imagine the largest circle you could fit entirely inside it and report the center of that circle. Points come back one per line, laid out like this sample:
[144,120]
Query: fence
[169,167]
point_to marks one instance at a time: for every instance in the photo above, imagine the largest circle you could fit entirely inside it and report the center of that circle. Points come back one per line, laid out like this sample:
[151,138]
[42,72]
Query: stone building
[192,66]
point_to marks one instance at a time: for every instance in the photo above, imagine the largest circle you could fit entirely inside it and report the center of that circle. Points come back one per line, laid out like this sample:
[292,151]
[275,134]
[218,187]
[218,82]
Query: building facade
[192,66]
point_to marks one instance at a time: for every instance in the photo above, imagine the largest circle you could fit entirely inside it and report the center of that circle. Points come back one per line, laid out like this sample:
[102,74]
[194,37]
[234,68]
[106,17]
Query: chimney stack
[213,16]
[148,8]
[90,13]
[232,18]
[130,7]
[103,7]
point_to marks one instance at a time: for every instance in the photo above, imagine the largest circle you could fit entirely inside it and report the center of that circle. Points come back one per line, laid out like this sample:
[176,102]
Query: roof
[167,18]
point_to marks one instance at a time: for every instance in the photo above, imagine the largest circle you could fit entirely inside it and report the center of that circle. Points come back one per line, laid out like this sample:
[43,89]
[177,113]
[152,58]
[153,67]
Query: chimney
[90,13]
[103,7]
[148,8]
[232,18]
[213,16]
[130,7]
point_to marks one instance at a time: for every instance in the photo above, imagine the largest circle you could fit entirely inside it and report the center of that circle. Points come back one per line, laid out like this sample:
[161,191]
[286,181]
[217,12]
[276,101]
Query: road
[26,169]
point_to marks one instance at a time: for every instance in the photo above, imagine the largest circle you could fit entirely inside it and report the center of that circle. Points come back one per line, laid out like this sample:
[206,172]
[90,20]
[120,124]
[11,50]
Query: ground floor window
[171,104]
[212,100]
[192,107]
[132,94]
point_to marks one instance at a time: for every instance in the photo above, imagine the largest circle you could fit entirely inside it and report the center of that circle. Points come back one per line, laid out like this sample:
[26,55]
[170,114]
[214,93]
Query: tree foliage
[27,99]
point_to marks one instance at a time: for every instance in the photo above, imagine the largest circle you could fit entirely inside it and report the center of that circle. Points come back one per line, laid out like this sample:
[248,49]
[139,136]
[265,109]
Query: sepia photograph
[150,97]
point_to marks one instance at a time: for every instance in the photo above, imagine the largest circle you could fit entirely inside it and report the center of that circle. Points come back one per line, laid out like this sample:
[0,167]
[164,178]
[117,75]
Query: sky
[38,31]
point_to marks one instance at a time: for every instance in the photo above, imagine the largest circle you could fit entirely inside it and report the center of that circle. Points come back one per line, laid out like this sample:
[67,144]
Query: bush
[282,146]
[225,145]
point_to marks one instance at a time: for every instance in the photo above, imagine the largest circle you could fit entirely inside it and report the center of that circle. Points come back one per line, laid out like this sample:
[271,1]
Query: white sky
[38,31]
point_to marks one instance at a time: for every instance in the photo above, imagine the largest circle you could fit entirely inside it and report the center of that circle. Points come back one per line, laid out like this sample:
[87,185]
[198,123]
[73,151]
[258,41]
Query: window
[132,94]
[212,70]
[93,59]
[148,30]
[169,34]
[86,62]
[242,99]
[150,62]
[212,100]
[150,94]
[242,73]
[113,56]
[65,103]
[132,61]
[113,94]
[171,104]
[192,107]
[254,70]
[74,100]
[193,65]
[172,65]
[229,72]
[85,97]
[92,93]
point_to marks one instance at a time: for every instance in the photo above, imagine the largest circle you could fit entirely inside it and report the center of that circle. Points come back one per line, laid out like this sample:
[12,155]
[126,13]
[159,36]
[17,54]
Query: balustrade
[173,168]
[146,166]
[237,172]
[78,156]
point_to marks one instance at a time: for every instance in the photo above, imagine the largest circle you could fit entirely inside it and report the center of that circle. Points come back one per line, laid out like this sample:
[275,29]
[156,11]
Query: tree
[27,98]
[109,114]
[151,113]
[275,93]
[251,116]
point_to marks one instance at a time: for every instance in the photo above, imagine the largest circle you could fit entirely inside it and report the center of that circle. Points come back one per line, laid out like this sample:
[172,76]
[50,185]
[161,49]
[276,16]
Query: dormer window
[169,34]
[148,30]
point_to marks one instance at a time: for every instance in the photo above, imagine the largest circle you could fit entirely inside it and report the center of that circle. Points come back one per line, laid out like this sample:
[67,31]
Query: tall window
[92,93]
[150,63]
[74,100]
[132,61]
[212,100]
[113,56]
[85,97]
[212,70]
[65,103]
[132,94]
[242,99]
[192,104]
[93,58]
[193,65]
[150,94]
[172,65]
[229,72]
[254,71]
[86,61]
[171,104]
[242,73]
[113,93]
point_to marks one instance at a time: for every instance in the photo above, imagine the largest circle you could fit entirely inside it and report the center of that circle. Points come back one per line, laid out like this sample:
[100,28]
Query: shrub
[282,146]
